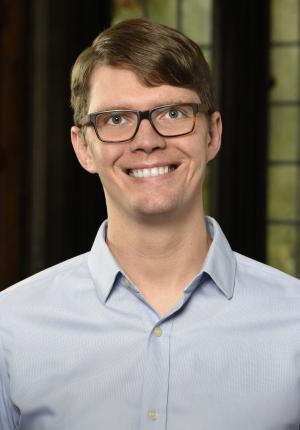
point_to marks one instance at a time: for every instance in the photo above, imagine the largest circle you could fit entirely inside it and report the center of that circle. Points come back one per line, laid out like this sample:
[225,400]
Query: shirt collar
[102,265]
[220,262]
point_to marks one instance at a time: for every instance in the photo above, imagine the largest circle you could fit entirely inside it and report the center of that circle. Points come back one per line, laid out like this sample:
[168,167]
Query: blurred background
[50,208]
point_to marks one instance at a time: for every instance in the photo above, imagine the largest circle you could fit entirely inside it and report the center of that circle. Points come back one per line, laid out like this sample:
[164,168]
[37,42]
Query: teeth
[154,171]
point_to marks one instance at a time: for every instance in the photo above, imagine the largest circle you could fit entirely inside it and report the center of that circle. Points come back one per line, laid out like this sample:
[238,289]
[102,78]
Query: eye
[116,119]
[174,113]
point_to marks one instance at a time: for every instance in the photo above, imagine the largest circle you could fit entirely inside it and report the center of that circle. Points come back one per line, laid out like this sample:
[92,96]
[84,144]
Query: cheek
[105,156]
[198,155]
[197,151]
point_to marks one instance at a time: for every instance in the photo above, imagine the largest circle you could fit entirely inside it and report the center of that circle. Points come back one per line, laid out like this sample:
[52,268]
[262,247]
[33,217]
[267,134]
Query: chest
[167,374]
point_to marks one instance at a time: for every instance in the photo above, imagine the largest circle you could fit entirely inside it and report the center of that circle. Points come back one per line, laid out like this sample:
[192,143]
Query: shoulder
[52,278]
[258,274]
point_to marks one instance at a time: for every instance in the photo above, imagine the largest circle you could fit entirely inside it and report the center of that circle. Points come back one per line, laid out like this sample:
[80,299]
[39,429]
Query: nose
[146,138]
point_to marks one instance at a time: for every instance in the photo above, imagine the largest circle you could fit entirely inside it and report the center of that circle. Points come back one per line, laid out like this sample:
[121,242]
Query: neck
[161,257]
[156,239]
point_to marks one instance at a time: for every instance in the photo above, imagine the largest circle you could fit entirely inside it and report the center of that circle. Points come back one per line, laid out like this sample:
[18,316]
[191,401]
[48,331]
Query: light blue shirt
[80,349]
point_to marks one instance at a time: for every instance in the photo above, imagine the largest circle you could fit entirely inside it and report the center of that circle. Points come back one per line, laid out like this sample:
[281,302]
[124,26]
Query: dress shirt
[81,349]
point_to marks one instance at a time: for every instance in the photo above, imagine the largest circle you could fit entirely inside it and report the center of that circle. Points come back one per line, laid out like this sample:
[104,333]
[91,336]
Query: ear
[82,150]
[215,134]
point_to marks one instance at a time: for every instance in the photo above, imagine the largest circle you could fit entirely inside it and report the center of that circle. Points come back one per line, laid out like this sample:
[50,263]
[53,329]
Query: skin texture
[156,227]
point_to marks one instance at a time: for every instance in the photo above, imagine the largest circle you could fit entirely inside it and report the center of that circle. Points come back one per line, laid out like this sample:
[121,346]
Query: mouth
[152,171]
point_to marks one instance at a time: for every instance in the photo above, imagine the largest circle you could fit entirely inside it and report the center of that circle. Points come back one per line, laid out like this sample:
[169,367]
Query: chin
[155,210]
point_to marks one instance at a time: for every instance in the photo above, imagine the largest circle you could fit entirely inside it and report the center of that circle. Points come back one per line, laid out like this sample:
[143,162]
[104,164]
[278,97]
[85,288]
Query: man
[161,325]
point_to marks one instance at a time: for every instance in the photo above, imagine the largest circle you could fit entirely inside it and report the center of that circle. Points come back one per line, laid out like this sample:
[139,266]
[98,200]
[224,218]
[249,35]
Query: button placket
[156,378]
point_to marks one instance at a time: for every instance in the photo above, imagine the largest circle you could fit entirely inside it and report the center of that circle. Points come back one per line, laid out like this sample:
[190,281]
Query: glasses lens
[115,126]
[173,120]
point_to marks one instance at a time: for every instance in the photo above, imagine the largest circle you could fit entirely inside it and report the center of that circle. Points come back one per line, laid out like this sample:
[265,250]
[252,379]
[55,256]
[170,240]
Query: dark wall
[12,135]
[241,41]
[50,207]
[74,206]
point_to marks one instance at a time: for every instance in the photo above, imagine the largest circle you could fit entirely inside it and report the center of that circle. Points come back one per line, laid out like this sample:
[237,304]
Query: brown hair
[155,53]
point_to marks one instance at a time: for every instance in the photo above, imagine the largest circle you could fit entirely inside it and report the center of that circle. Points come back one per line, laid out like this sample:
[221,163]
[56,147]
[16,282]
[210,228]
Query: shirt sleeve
[8,414]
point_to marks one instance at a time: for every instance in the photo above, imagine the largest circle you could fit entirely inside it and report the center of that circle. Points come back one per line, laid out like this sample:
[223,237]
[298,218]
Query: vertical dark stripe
[179,12]
[241,43]
[297,256]
[12,136]
[145,8]
[68,203]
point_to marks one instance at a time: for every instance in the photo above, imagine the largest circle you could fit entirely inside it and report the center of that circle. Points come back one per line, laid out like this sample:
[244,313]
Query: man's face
[164,195]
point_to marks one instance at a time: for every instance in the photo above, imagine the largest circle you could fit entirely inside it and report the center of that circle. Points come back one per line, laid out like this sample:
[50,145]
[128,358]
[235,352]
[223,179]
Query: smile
[153,171]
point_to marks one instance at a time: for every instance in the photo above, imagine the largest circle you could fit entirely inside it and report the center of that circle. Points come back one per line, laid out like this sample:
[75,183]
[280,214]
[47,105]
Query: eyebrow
[126,107]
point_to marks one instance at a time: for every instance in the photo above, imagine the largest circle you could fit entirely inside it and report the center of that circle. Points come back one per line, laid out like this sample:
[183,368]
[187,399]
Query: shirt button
[152,414]
[157,331]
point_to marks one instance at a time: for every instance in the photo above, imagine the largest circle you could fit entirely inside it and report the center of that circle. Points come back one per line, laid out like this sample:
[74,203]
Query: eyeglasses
[121,125]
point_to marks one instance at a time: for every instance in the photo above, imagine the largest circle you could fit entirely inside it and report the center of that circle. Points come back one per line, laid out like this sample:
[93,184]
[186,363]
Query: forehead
[114,87]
